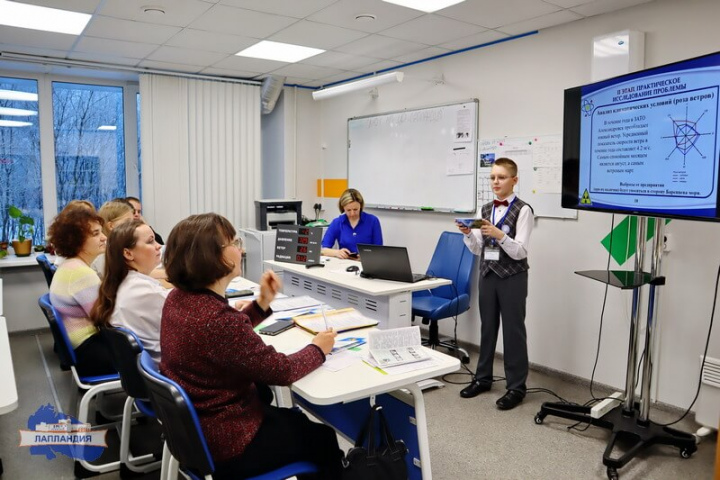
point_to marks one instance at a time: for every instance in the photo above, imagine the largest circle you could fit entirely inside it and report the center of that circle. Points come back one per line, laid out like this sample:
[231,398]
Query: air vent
[711,372]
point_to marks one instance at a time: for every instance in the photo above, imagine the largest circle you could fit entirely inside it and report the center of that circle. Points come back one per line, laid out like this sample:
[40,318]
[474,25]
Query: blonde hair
[348,196]
[86,204]
[508,164]
[111,211]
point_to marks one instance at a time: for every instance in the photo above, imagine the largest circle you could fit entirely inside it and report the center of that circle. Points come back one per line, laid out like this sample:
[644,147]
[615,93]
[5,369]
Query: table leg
[422,431]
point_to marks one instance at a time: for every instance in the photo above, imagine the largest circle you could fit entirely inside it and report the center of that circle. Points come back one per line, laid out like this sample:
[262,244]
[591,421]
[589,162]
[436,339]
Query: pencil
[322,309]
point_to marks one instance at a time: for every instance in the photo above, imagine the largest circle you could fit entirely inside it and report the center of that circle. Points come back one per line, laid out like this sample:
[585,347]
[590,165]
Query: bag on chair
[383,462]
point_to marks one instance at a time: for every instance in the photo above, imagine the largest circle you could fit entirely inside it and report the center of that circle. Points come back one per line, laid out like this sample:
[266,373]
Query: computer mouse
[352,268]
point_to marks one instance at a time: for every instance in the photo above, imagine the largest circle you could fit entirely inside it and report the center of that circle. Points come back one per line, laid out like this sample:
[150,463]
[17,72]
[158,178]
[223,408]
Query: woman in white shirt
[129,297]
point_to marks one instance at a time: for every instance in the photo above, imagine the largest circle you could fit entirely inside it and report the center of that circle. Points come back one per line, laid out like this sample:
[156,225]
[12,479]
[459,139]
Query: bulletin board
[539,160]
[423,159]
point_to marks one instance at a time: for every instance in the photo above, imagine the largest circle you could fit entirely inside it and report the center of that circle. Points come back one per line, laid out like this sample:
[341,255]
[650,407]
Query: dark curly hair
[70,229]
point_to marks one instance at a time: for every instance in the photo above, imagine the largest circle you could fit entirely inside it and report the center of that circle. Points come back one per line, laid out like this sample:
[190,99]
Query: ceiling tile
[432,30]
[233,62]
[317,35]
[300,81]
[115,47]
[494,13]
[35,38]
[474,40]
[289,8]
[177,12]
[119,29]
[379,46]
[305,71]
[376,67]
[337,78]
[343,13]
[421,55]
[604,6]
[103,58]
[568,3]
[171,67]
[546,21]
[43,51]
[224,72]
[223,19]
[81,6]
[214,42]
[344,61]
[186,56]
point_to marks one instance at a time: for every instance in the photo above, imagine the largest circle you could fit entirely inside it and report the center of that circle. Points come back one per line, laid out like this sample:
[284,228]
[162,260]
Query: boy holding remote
[502,243]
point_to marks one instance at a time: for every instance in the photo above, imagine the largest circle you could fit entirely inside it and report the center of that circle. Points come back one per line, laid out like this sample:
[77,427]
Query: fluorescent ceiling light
[13,123]
[369,82]
[107,127]
[34,17]
[282,52]
[17,112]
[15,95]
[425,5]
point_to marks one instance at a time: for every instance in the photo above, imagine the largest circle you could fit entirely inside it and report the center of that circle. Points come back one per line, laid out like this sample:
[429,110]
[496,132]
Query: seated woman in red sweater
[211,350]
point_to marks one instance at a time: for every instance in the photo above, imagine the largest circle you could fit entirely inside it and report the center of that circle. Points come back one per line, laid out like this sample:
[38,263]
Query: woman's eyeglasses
[235,243]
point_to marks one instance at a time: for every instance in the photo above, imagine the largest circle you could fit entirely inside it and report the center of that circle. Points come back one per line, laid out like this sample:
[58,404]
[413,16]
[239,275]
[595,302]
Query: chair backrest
[48,268]
[125,348]
[454,261]
[64,348]
[180,424]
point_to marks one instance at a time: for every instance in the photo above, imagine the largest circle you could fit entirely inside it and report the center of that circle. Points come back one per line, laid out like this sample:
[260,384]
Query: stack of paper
[396,346]
[339,320]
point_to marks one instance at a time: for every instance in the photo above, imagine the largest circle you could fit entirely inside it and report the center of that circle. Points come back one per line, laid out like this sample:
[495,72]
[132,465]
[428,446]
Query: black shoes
[474,389]
[510,400]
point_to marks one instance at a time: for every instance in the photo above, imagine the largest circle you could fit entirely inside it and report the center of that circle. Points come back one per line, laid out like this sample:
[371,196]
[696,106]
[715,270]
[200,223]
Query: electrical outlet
[606,405]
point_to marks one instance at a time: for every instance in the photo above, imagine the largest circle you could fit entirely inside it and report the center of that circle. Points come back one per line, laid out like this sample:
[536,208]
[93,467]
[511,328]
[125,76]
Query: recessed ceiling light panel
[14,123]
[16,95]
[17,112]
[46,19]
[281,52]
[427,6]
[107,128]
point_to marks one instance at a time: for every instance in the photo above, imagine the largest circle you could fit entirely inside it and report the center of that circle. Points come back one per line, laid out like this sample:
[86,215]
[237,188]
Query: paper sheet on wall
[464,125]
[547,180]
[460,161]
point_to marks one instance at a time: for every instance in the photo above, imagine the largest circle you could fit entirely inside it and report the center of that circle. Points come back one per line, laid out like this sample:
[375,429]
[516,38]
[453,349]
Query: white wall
[520,86]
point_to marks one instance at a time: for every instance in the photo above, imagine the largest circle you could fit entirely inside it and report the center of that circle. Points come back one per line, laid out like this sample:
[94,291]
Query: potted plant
[26,228]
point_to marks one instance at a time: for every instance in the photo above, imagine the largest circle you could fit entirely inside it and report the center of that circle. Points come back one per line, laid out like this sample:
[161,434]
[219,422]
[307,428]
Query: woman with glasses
[129,296]
[212,351]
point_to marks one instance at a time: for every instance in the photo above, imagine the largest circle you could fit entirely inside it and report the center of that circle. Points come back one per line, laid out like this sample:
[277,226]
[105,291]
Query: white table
[359,381]
[8,388]
[386,301]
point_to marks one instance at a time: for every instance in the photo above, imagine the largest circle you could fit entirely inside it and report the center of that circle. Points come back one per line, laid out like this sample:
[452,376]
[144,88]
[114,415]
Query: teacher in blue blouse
[352,227]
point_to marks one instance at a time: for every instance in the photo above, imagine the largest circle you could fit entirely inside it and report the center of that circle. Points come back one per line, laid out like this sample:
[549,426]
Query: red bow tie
[498,203]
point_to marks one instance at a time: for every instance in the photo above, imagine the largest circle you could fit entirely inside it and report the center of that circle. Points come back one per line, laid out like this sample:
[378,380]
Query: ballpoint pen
[322,309]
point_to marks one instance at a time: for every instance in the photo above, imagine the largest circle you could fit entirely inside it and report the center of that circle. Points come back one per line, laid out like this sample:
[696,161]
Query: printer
[271,213]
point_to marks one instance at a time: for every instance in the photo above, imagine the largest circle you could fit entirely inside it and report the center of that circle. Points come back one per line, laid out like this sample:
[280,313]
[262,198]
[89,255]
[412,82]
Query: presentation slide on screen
[651,142]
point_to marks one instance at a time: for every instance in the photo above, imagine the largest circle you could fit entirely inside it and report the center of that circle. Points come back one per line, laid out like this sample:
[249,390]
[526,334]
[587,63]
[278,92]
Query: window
[89,142]
[20,167]
[62,140]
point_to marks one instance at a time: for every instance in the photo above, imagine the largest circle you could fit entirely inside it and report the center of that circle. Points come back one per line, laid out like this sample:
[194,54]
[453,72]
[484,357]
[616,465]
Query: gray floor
[469,439]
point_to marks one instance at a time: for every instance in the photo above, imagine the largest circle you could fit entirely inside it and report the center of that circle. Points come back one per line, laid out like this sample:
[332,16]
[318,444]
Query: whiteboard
[539,160]
[423,159]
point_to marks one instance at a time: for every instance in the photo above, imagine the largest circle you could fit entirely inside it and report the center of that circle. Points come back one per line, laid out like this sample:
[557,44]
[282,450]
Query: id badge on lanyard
[492,253]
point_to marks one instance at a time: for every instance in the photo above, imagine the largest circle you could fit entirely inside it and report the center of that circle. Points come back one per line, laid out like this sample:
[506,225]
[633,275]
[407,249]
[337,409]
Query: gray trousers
[506,297]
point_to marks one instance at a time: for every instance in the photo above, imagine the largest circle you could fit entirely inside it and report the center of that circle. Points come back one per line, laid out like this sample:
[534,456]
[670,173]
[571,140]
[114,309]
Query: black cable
[702,365]
[602,312]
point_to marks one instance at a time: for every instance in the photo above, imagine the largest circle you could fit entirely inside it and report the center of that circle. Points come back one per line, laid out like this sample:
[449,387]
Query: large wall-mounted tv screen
[646,143]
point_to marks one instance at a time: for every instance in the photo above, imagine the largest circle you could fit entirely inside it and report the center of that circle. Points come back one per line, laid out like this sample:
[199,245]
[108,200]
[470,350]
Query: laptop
[387,263]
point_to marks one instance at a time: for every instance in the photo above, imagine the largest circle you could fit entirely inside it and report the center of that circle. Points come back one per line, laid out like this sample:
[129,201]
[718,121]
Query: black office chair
[125,348]
[451,260]
[94,386]
[183,435]
[48,268]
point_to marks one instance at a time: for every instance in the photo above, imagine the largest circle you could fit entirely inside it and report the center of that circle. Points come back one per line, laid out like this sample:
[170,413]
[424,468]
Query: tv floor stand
[629,421]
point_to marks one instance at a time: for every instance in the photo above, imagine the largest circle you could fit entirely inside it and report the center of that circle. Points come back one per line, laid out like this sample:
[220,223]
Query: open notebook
[340,320]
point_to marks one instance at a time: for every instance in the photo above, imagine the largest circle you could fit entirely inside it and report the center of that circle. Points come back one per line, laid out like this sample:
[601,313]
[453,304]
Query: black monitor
[646,143]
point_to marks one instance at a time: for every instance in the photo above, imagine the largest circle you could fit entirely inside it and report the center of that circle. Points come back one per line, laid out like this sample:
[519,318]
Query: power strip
[606,405]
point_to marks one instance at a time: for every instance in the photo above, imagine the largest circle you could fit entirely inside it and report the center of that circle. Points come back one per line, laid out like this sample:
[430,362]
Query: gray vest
[506,266]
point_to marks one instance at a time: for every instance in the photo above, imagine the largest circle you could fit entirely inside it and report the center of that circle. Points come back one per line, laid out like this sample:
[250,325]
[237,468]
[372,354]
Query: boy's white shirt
[516,248]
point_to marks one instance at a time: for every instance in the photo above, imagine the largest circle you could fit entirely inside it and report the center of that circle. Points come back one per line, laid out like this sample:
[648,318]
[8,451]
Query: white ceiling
[202,36]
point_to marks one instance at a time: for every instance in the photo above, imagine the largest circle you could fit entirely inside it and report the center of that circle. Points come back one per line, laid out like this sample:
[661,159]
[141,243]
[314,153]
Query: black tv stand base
[626,429]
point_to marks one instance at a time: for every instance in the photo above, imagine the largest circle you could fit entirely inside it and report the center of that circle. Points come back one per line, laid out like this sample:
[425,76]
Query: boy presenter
[502,243]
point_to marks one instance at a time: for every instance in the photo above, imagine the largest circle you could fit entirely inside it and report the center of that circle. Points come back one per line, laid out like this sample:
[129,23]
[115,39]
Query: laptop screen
[387,263]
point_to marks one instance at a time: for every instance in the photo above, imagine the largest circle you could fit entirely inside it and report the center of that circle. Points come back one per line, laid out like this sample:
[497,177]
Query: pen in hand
[322,309]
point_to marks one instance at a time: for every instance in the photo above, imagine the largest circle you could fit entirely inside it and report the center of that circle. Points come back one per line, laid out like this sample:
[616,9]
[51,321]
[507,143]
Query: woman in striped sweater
[77,235]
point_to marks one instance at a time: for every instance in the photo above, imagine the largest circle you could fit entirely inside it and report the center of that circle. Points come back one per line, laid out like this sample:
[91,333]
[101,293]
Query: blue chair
[125,348]
[451,260]
[48,268]
[183,435]
[94,386]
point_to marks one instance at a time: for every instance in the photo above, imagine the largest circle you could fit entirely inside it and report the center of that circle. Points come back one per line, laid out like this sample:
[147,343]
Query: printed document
[396,346]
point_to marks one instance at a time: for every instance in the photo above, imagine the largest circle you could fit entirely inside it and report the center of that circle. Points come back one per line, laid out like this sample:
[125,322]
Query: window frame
[47,145]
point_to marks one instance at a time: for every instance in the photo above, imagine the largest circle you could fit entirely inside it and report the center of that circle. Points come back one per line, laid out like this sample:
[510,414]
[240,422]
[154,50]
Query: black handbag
[383,462]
